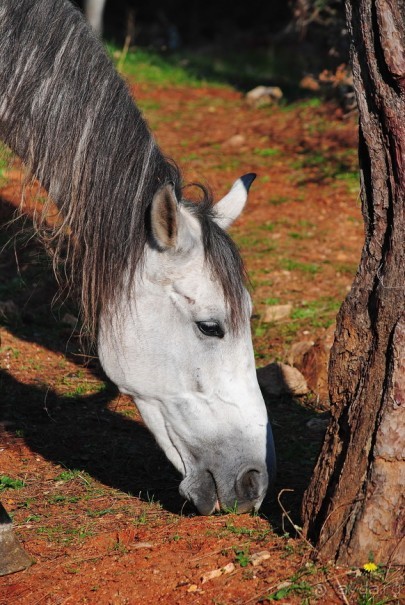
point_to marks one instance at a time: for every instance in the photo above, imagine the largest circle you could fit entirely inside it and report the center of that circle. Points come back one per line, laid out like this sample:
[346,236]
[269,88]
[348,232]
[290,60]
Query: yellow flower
[370,567]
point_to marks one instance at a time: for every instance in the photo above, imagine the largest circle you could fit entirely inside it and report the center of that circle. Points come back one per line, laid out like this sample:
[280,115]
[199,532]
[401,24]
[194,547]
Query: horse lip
[206,498]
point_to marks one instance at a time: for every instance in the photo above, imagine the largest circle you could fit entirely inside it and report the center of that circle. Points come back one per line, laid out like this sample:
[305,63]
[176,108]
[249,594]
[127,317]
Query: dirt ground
[98,508]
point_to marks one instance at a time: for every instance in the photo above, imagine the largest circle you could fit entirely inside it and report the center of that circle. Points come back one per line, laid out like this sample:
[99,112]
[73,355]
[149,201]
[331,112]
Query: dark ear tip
[247,179]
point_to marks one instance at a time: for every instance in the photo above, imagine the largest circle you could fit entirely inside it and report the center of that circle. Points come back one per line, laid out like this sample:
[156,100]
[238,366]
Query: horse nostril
[250,485]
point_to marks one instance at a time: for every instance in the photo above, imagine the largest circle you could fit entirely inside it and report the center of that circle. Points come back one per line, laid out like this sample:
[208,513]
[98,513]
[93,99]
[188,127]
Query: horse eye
[210,328]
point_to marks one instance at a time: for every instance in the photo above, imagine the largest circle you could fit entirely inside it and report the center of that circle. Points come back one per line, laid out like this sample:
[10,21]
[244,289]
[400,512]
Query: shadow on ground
[297,449]
[82,432]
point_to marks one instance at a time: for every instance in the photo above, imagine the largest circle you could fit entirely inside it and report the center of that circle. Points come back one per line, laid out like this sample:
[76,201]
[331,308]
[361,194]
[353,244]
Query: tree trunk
[354,506]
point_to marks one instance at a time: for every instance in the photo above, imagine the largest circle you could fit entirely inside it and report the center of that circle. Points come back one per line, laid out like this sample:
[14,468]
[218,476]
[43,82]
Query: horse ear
[165,217]
[229,208]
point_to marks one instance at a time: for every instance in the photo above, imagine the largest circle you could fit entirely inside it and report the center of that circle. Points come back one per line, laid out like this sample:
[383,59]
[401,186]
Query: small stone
[210,575]
[143,545]
[237,140]
[298,351]
[229,568]
[313,363]
[216,573]
[264,95]
[258,557]
[280,379]
[277,312]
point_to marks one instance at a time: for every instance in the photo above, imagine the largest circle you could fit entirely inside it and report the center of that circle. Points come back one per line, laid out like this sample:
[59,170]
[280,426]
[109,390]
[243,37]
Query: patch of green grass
[149,66]
[294,588]
[65,534]
[289,331]
[267,152]
[62,499]
[258,534]
[351,179]
[71,474]
[278,200]
[248,241]
[242,557]
[312,103]
[141,519]
[7,482]
[336,165]
[77,392]
[99,513]
[215,65]
[129,412]
[260,330]
[319,313]
[268,226]
[315,307]
[190,157]
[26,503]
[293,265]
[5,156]
[309,159]
[147,105]
[119,547]
[271,301]
[176,538]
[230,163]
[346,268]
[303,222]
[83,388]
[31,518]
[300,235]
[15,353]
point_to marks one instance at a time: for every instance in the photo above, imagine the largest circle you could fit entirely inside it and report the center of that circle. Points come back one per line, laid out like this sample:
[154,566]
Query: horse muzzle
[238,492]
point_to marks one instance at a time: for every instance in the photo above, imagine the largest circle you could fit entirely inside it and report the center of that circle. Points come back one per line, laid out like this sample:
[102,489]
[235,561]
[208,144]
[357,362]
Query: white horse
[172,347]
[160,283]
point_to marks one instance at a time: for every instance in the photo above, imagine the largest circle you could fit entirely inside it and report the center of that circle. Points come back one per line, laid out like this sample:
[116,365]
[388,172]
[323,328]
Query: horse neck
[64,110]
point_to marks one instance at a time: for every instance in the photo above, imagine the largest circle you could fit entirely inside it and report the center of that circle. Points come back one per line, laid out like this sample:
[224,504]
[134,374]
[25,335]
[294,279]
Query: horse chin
[202,492]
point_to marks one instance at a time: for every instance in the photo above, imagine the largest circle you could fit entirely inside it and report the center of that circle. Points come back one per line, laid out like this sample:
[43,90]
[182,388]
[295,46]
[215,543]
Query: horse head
[180,345]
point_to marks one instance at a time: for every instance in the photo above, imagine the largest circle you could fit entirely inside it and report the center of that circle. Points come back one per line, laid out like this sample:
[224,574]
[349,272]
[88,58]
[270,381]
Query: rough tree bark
[354,505]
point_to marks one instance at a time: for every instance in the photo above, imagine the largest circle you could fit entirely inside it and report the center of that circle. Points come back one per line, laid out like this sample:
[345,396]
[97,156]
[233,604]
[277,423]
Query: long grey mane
[65,111]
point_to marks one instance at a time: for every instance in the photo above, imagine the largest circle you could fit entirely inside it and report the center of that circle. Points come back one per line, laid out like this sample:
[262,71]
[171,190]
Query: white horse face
[175,351]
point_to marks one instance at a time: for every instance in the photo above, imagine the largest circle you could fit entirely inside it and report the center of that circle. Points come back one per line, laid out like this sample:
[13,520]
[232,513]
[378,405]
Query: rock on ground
[312,360]
[264,95]
[280,379]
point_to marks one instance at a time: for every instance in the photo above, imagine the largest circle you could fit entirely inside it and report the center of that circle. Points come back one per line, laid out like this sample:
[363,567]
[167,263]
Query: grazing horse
[160,283]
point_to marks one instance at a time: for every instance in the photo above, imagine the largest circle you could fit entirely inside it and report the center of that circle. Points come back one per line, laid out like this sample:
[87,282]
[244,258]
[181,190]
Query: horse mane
[70,117]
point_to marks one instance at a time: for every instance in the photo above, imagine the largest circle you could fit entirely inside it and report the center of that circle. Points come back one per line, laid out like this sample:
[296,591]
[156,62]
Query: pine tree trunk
[354,505]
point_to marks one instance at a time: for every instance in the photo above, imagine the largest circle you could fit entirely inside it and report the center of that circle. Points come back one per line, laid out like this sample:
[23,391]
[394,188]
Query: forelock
[223,258]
